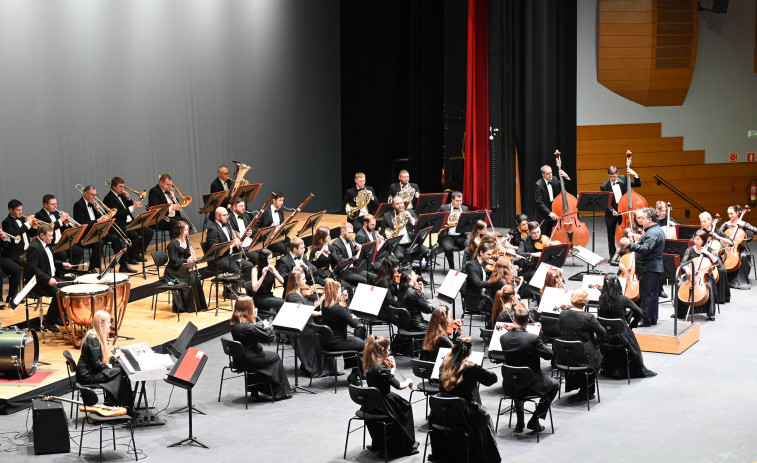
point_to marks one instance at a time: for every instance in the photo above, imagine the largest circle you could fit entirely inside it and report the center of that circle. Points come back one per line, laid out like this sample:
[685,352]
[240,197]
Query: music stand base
[186,409]
[190,440]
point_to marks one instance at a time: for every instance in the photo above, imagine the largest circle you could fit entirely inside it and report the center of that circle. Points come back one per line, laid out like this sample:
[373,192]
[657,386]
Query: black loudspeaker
[50,427]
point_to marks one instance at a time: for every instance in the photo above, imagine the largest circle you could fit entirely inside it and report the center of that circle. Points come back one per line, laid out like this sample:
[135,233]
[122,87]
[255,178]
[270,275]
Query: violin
[453,325]
[308,291]
[397,276]
[628,203]
[739,237]
[597,287]
[568,229]
[544,242]
[389,362]
[561,307]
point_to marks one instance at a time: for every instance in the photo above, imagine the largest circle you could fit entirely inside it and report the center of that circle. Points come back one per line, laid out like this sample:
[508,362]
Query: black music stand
[382,209]
[112,266]
[282,233]
[429,203]
[261,237]
[343,266]
[677,247]
[366,257]
[212,202]
[670,264]
[686,232]
[310,224]
[161,213]
[139,223]
[468,219]
[554,255]
[247,192]
[68,239]
[592,201]
[387,248]
[184,375]
[96,235]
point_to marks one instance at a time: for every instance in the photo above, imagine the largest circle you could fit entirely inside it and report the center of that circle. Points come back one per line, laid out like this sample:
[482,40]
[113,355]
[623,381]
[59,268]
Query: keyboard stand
[146,419]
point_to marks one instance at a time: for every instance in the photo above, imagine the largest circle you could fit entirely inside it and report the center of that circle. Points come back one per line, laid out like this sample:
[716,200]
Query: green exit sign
[751,134]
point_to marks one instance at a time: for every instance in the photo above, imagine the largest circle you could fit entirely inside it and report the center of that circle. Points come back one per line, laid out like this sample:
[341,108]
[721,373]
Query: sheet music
[540,275]
[22,294]
[598,280]
[368,299]
[587,256]
[499,330]
[292,317]
[474,357]
[452,283]
[554,297]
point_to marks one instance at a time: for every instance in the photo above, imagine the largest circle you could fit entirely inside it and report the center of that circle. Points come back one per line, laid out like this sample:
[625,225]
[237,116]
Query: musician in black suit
[239,220]
[61,222]
[221,182]
[449,239]
[219,231]
[546,190]
[162,194]
[527,248]
[118,198]
[523,349]
[367,232]
[476,300]
[400,222]
[296,258]
[350,196]
[618,186]
[41,263]
[10,263]
[346,247]
[406,188]
[274,215]
[88,212]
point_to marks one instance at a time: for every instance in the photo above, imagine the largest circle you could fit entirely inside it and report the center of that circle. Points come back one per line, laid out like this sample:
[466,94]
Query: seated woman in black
[335,315]
[249,332]
[578,325]
[180,252]
[306,343]
[436,335]
[501,275]
[322,254]
[708,260]
[739,278]
[504,300]
[379,374]
[519,231]
[91,370]
[385,279]
[718,241]
[263,276]
[410,297]
[613,304]
[460,378]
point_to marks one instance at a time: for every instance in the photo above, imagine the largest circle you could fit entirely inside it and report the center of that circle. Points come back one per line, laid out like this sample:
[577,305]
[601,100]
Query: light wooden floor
[138,321]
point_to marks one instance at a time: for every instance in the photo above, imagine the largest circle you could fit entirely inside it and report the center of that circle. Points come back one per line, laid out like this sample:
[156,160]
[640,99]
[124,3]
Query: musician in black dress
[436,335]
[307,343]
[351,195]
[180,252]
[578,325]
[378,367]
[162,193]
[519,231]
[701,267]
[504,304]
[613,304]
[719,241]
[48,270]
[251,332]
[501,274]
[478,232]
[449,239]
[385,278]
[460,378]
[618,186]
[118,198]
[739,278]
[264,275]
[323,255]
[335,315]
[97,366]
[410,296]
[61,222]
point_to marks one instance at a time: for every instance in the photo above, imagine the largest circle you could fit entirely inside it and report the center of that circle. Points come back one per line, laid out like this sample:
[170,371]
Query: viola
[389,361]
[628,203]
[561,307]
[598,287]
[739,237]
[568,229]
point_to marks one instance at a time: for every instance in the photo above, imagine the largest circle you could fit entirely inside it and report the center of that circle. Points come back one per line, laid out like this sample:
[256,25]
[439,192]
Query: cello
[699,280]
[738,236]
[568,229]
[628,203]
[628,271]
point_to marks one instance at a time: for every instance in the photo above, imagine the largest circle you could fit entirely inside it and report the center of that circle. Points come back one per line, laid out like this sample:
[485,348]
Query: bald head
[222,215]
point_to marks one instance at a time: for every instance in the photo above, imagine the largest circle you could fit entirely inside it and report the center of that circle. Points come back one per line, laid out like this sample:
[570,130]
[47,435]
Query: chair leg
[425,446]
[81,435]
[101,442]
[628,367]
[347,438]
[551,423]
[588,401]
[133,442]
[220,386]
[113,428]
[386,447]
[246,387]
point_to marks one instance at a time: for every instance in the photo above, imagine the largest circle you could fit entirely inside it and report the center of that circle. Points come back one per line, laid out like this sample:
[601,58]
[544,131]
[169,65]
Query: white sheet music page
[501,328]
[474,357]
[537,280]
[452,283]
[368,299]
[554,297]
[292,316]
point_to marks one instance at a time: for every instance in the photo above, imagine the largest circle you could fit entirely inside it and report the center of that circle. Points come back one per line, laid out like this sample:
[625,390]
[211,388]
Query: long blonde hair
[331,292]
[102,336]
[375,352]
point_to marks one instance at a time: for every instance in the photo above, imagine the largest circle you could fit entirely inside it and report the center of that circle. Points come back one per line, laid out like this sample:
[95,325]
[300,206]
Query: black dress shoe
[141,259]
[519,427]
[536,426]
[662,294]
[644,325]
[131,260]
[50,327]
[614,263]
[126,269]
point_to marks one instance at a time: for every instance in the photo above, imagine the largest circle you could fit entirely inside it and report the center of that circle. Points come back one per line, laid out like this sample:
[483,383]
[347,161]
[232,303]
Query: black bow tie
[614,183]
[90,205]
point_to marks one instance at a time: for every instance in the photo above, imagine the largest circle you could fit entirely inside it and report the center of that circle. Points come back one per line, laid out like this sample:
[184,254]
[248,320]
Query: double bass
[568,229]
[628,203]
[739,237]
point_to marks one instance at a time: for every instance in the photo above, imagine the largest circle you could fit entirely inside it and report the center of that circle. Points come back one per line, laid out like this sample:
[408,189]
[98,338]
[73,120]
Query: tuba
[240,170]
[361,200]
[398,223]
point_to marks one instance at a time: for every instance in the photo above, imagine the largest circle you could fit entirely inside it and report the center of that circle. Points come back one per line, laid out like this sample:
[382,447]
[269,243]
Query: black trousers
[542,408]
[136,240]
[14,272]
[76,255]
[649,286]
[611,236]
[451,244]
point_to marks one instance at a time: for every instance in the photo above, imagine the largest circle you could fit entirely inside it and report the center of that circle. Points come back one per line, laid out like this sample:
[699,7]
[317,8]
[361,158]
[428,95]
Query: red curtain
[476,178]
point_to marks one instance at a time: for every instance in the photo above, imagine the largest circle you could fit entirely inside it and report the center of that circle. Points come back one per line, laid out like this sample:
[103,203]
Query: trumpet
[111,212]
[71,220]
[8,237]
[185,201]
[36,222]
[140,194]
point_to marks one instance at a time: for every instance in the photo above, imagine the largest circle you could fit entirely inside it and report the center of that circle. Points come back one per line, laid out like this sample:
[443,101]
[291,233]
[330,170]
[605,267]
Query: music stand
[592,260]
[366,257]
[68,239]
[282,233]
[139,223]
[387,248]
[343,265]
[310,224]
[670,264]
[686,232]
[554,255]
[96,234]
[112,266]
[450,287]
[468,219]
[677,247]
[213,202]
[161,213]
[367,302]
[429,203]
[185,374]
[247,192]
[382,209]
[215,251]
[592,201]
[261,236]
[291,320]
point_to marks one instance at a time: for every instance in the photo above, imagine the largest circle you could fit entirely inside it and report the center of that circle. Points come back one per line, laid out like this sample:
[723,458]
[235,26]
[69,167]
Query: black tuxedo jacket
[13,250]
[44,216]
[111,200]
[215,235]
[285,265]
[623,184]
[541,197]
[156,196]
[38,264]
[82,216]
[448,208]
[474,282]
[522,349]
[389,222]
[266,220]
[351,194]
[217,185]
[245,219]
[362,236]
[341,249]
[394,190]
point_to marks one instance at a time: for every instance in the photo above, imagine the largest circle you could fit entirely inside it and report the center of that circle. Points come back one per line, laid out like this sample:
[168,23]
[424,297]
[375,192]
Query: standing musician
[545,191]
[667,224]
[367,232]
[739,279]
[618,186]
[351,195]
[162,194]
[527,247]
[648,264]
[718,236]
[118,198]
[274,215]
[405,189]
[450,240]
[239,220]
[222,182]
[219,231]
[61,222]
[476,299]
[346,248]
[400,222]
[296,258]
[88,212]
[633,233]
[520,230]
[42,264]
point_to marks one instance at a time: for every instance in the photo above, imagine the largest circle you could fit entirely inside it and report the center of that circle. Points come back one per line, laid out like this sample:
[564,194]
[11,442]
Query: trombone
[185,201]
[140,194]
[111,212]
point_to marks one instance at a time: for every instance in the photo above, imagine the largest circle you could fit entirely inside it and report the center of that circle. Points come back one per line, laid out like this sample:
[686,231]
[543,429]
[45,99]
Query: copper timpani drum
[123,290]
[19,352]
[79,304]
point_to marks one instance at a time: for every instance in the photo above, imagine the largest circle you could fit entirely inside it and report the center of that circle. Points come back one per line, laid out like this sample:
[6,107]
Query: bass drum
[19,352]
